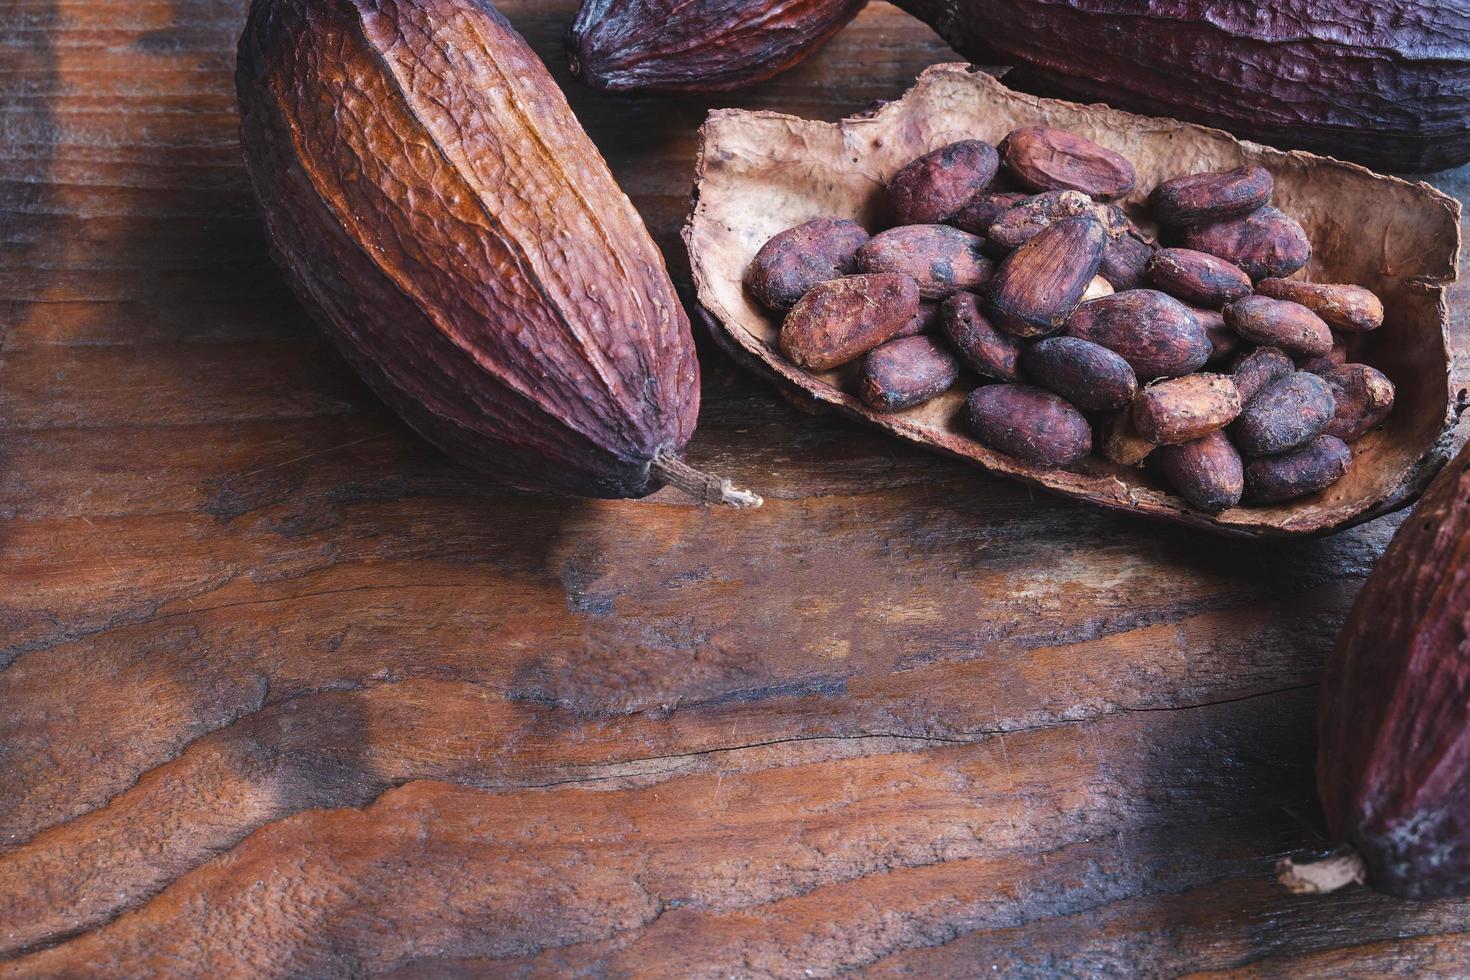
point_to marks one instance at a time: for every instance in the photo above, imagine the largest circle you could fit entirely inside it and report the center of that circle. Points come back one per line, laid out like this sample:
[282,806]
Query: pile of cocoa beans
[1011,268]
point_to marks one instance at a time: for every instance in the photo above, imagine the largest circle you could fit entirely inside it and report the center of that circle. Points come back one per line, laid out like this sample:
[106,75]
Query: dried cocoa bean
[1197,277]
[1315,466]
[1086,374]
[799,258]
[1207,472]
[1264,243]
[906,372]
[1047,159]
[1039,284]
[984,349]
[924,321]
[1223,340]
[842,319]
[941,259]
[1153,332]
[1213,196]
[1028,423]
[1124,259]
[1279,323]
[1022,221]
[1343,307]
[936,185]
[1336,357]
[1122,443]
[1183,409]
[980,213]
[1364,398]
[1259,369]
[1284,415]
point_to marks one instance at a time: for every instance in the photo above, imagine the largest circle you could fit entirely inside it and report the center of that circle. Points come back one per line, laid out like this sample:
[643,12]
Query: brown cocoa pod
[1155,333]
[924,321]
[1039,284]
[980,213]
[1046,159]
[1342,306]
[1023,220]
[1259,369]
[1223,340]
[1028,423]
[1197,277]
[939,258]
[936,185]
[1279,323]
[1284,415]
[906,372]
[1207,472]
[1364,398]
[1264,244]
[1086,374]
[1315,466]
[842,319]
[1213,196]
[1121,441]
[983,349]
[798,258]
[1182,409]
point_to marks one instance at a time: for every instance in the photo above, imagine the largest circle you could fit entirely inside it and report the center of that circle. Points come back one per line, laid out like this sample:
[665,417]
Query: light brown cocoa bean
[1343,307]
[1047,159]
[842,319]
[1182,409]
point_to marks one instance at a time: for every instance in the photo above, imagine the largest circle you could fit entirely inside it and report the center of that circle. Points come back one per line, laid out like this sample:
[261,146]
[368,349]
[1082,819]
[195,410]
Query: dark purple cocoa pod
[1046,159]
[799,258]
[1223,340]
[1207,472]
[1197,277]
[985,350]
[1125,257]
[1343,307]
[1029,424]
[1024,220]
[1260,368]
[1184,409]
[1086,374]
[842,319]
[980,213]
[936,185]
[1279,323]
[939,258]
[1039,284]
[906,372]
[1364,398]
[1209,197]
[1315,466]
[1153,332]
[1284,415]
[1264,243]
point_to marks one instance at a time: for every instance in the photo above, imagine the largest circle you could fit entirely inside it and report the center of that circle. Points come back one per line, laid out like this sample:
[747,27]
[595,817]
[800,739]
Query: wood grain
[285,692]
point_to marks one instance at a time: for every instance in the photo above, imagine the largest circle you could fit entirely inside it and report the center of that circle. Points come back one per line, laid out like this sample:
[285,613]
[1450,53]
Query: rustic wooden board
[284,692]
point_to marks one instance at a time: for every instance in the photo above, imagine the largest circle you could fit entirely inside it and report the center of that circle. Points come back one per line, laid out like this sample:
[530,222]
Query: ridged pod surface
[438,208]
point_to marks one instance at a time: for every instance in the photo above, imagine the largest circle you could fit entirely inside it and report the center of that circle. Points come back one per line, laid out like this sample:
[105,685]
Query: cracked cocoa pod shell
[526,325]
[1028,423]
[799,258]
[1197,277]
[985,350]
[697,45]
[1153,332]
[1363,398]
[1184,409]
[1039,284]
[1259,369]
[1264,244]
[1280,323]
[1284,415]
[1025,219]
[1089,376]
[1211,196]
[1047,159]
[906,372]
[842,319]
[980,213]
[939,258]
[939,183]
[1207,472]
[1341,306]
[1312,468]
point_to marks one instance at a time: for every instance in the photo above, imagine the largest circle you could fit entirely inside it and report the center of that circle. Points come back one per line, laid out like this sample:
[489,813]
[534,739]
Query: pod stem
[1342,868]
[708,489]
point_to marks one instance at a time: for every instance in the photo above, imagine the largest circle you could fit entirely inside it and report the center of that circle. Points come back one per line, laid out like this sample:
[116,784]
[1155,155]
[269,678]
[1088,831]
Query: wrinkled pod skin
[436,206]
[697,45]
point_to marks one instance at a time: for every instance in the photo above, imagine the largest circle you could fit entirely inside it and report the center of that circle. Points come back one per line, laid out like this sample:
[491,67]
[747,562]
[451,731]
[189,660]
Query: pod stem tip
[1338,870]
[707,488]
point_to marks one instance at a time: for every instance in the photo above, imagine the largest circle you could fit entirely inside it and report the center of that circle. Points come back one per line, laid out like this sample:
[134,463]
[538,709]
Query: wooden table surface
[285,692]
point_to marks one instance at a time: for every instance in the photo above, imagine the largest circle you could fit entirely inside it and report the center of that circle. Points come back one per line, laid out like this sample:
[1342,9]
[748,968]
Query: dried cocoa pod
[527,326]
[1313,467]
[1039,284]
[939,258]
[906,372]
[1259,369]
[1197,277]
[697,45]
[1223,340]
[1047,159]
[1207,472]
[1029,424]
[1284,415]
[1343,307]
[985,350]
[1121,441]
[980,213]
[924,321]
[1213,196]
[1024,220]
[1280,323]
[1264,244]
[1089,376]
[798,258]
[842,319]
[1363,397]
[936,185]
[1153,332]
[1183,409]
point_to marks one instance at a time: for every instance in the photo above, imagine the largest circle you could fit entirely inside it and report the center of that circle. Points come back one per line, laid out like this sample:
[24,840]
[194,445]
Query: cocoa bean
[1284,415]
[1279,323]
[1197,277]
[984,349]
[1343,307]
[1213,196]
[1047,159]
[841,319]
[1315,466]
[1028,423]
[1182,409]
[1155,333]
[924,321]
[1264,243]
[939,258]
[1207,472]
[799,258]
[980,213]
[906,372]
[1364,398]
[936,185]
[1022,221]
[1039,284]
[1336,357]
[1124,259]
[1122,443]
[1086,374]
[1223,340]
